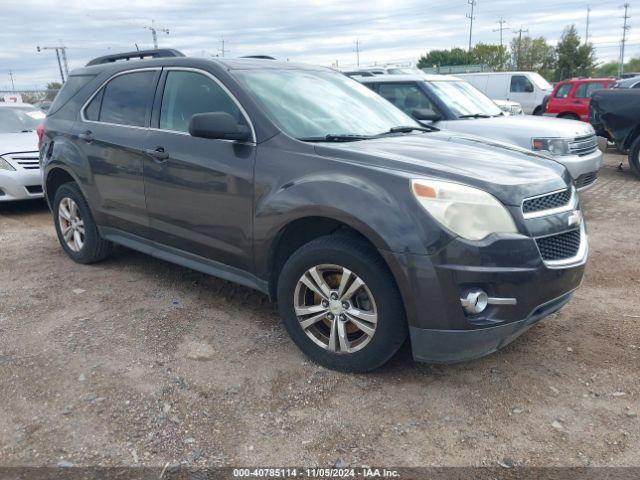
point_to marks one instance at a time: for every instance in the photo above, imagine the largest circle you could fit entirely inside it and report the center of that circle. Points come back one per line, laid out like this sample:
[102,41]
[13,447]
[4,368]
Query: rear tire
[312,279]
[77,231]
[634,157]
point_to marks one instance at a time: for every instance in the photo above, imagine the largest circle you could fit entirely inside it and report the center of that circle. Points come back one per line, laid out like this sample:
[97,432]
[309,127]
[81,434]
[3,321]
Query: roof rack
[138,54]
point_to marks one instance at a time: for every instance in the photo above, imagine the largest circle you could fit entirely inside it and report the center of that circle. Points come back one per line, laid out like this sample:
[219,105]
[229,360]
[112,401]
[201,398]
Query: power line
[471,18]
[625,28]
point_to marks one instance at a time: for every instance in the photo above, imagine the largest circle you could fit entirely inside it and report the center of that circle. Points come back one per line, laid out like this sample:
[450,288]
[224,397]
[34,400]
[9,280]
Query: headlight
[4,165]
[466,211]
[555,146]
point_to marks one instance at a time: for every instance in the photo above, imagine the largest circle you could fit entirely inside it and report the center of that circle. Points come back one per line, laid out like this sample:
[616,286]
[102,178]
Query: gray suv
[299,182]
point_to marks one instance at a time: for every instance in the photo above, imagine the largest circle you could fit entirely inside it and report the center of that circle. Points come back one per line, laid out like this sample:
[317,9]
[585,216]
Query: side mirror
[425,114]
[528,88]
[217,125]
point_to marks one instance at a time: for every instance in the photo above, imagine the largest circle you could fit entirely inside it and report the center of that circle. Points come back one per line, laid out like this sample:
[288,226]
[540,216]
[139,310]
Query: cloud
[315,31]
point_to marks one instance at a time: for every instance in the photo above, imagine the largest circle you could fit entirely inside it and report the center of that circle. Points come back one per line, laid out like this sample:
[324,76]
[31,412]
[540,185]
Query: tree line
[569,58]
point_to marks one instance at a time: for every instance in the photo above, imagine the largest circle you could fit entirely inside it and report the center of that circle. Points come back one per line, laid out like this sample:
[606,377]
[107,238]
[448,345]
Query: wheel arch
[305,228]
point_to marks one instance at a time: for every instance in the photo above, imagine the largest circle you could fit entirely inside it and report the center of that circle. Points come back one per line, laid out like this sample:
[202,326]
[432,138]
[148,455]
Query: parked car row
[366,226]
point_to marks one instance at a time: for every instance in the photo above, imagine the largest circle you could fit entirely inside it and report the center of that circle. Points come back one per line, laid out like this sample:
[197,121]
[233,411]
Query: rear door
[111,134]
[582,97]
[199,192]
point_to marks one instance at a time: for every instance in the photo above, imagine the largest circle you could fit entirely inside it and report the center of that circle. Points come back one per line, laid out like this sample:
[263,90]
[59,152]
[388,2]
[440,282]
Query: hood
[519,129]
[18,142]
[509,173]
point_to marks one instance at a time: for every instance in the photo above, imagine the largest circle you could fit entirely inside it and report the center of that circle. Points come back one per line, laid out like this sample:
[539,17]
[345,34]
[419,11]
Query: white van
[527,88]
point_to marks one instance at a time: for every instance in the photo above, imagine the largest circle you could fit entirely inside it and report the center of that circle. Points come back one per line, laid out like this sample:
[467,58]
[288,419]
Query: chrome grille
[546,202]
[28,161]
[559,247]
[583,145]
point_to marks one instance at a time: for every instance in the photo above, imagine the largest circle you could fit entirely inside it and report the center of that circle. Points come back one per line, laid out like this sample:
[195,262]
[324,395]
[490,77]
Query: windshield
[19,119]
[540,81]
[464,99]
[314,104]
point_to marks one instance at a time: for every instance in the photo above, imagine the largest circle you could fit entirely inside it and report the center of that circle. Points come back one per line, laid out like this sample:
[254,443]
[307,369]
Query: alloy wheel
[335,308]
[71,224]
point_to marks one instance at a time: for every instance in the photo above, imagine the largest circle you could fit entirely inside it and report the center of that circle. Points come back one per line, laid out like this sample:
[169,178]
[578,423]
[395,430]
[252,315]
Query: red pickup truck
[571,98]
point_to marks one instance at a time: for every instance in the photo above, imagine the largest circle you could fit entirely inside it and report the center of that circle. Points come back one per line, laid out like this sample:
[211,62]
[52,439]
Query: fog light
[475,301]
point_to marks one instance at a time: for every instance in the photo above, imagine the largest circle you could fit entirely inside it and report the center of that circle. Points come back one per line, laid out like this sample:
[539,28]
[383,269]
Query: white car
[19,162]
[529,89]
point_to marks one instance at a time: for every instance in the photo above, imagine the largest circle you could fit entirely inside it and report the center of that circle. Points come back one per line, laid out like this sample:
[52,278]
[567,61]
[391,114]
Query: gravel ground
[135,361]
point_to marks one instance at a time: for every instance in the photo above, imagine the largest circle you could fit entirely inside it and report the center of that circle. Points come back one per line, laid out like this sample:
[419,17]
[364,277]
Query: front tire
[340,304]
[77,231]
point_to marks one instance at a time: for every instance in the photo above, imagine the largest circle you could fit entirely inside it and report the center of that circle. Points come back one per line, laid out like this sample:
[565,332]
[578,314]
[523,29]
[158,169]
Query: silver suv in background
[450,103]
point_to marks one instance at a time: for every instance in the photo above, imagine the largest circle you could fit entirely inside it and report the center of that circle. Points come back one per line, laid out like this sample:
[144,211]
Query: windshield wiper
[409,128]
[475,115]
[335,137]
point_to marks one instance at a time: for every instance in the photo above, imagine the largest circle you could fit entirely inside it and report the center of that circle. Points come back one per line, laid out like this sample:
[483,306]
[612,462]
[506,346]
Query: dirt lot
[137,361]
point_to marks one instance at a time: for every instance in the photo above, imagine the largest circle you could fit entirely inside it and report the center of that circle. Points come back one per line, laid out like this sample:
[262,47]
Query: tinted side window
[563,91]
[188,93]
[586,89]
[92,112]
[520,84]
[127,98]
[406,96]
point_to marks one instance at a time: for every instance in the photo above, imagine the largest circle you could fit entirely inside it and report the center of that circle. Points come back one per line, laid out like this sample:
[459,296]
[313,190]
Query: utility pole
[502,23]
[61,55]
[586,36]
[625,28]
[222,49]
[357,42]
[519,49]
[154,32]
[471,18]
[13,87]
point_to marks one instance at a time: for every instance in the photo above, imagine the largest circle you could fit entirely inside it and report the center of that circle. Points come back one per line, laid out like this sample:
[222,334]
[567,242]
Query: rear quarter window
[72,86]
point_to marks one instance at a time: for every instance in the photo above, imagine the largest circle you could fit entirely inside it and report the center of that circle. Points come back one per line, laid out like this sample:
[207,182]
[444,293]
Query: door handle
[158,154]
[86,136]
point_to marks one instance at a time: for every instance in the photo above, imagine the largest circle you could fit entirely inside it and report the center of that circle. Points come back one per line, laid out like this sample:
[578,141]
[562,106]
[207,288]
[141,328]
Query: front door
[522,90]
[199,191]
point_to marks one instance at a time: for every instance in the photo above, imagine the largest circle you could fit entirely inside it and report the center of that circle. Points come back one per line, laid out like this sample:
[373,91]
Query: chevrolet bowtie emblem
[575,218]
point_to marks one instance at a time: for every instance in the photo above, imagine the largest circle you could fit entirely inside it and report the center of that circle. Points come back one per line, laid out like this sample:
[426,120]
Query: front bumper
[581,165]
[506,266]
[20,185]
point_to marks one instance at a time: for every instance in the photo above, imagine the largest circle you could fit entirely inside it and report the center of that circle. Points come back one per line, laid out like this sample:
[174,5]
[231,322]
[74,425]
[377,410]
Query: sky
[314,31]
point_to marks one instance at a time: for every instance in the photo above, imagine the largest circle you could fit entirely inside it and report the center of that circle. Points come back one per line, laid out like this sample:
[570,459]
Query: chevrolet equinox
[297,181]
